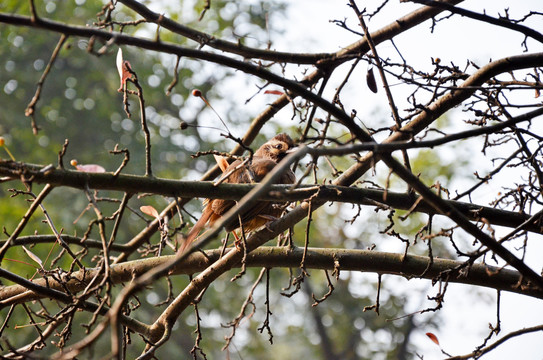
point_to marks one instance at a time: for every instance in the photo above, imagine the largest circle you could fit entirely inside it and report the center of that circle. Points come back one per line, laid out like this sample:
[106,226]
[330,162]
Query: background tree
[385,194]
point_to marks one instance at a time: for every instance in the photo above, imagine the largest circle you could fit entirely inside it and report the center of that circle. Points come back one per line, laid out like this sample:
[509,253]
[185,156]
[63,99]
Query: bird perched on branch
[262,212]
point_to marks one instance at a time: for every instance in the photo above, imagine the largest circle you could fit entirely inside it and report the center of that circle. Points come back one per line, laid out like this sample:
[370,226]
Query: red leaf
[274,92]
[433,337]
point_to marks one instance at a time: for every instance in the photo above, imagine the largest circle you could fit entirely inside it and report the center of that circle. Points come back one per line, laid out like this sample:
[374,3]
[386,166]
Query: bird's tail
[193,233]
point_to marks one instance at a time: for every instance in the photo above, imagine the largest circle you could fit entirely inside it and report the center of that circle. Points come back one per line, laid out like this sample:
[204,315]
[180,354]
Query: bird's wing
[253,172]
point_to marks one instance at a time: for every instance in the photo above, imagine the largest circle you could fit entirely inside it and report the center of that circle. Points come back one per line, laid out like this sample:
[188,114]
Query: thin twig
[31,107]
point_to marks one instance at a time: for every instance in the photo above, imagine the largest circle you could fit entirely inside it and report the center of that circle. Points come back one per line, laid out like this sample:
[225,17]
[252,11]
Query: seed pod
[370,80]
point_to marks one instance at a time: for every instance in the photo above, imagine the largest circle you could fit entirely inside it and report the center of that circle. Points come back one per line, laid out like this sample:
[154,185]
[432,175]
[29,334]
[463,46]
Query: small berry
[3,144]
[183,125]
[73,162]
[196,93]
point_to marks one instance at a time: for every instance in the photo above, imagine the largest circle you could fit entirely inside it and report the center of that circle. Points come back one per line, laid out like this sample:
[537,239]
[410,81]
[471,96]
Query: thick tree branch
[412,266]
[189,189]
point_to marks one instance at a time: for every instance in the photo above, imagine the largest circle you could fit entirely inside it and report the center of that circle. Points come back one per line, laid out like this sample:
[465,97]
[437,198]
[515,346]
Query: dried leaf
[221,161]
[122,67]
[274,92]
[91,168]
[149,210]
[370,81]
[33,256]
[433,337]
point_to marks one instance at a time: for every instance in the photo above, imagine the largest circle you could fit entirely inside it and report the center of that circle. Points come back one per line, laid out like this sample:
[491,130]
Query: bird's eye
[278,146]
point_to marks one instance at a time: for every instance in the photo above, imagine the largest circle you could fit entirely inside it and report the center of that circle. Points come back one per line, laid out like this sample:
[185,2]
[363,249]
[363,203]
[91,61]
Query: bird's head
[276,148]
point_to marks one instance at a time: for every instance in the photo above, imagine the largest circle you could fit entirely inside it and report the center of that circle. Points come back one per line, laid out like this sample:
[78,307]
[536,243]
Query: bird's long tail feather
[193,233]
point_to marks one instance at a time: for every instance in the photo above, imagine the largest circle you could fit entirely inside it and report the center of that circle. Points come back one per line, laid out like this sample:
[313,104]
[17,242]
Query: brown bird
[263,161]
